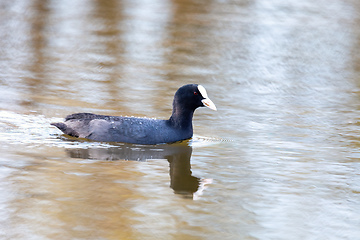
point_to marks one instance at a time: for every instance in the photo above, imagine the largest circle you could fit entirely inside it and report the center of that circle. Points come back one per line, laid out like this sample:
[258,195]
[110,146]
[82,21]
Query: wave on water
[35,130]
[201,141]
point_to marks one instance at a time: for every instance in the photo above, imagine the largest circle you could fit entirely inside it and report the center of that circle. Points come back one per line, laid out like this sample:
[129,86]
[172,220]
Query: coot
[141,130]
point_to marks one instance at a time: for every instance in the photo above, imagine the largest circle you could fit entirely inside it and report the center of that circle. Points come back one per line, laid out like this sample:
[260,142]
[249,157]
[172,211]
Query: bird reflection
[178,156]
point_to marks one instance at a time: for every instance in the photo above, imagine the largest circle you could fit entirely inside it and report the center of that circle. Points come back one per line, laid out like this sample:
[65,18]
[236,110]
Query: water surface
[279,159]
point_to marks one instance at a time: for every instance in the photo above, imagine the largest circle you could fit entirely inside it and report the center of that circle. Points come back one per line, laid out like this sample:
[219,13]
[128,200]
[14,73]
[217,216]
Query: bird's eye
[195,93]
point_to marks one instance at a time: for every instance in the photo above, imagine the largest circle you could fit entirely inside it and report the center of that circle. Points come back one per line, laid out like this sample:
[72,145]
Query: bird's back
[122,129]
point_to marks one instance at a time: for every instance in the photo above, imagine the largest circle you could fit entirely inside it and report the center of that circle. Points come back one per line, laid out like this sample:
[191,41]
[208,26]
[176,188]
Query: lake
[280,159]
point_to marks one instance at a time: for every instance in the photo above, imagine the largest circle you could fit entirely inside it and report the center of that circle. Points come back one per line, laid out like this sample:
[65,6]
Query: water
[278,160]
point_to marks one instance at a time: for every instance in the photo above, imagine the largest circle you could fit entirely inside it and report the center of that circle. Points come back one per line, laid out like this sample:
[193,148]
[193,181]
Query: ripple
[35,130]
[201,141]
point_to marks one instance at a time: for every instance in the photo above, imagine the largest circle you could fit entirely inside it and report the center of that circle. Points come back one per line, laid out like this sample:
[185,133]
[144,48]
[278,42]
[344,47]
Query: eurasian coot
[141,130]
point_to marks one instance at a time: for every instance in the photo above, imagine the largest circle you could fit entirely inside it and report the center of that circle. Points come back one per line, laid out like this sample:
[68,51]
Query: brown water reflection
[178,155]
[285,78]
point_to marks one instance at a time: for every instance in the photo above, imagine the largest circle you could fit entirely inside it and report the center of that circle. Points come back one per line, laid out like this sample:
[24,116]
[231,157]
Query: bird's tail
[65,129]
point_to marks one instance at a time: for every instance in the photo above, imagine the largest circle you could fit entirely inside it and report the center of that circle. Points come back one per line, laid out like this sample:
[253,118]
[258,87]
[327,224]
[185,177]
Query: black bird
[141,130]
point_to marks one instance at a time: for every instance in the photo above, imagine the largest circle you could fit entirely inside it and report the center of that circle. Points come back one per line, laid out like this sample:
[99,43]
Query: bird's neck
[181,118]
